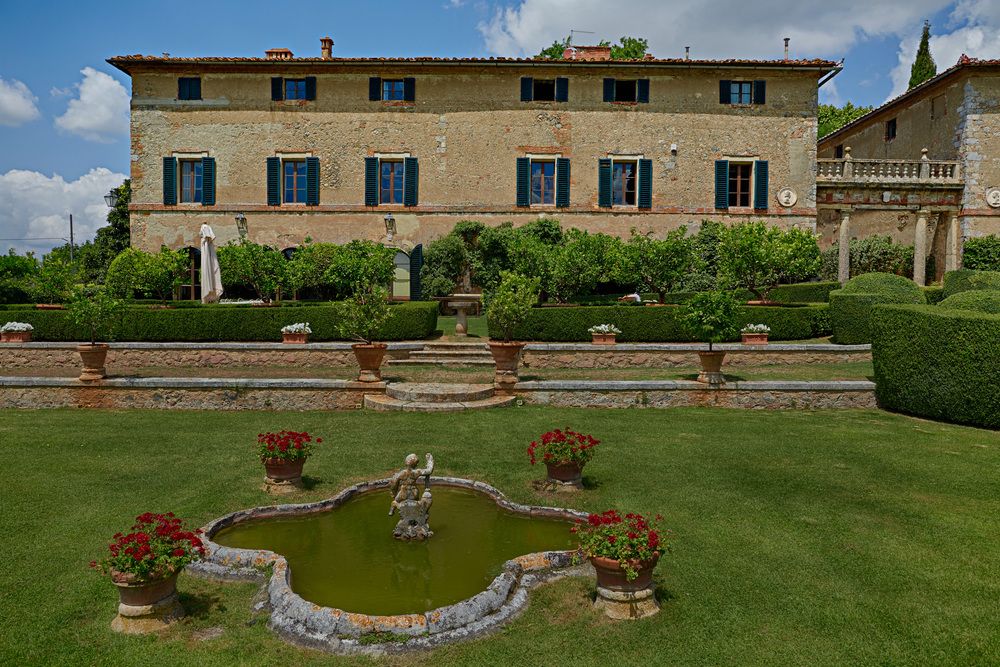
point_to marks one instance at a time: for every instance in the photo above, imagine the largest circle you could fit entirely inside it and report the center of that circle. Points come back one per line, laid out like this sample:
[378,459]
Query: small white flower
[756,329]
[297,328]
[16,326]
[604,329]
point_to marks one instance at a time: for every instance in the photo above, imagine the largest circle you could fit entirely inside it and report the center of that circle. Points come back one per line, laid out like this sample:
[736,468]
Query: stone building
[324,148]
[923,168]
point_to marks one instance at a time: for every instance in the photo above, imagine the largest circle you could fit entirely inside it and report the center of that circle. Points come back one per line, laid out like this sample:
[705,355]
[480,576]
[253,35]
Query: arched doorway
[401,277]
[191,287]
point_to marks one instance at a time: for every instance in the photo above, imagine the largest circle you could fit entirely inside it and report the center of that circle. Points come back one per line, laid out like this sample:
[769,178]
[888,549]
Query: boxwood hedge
[409,321]
[964,280]
[851,307]
[938,363]
[795,293]
[983,301]
[662,324]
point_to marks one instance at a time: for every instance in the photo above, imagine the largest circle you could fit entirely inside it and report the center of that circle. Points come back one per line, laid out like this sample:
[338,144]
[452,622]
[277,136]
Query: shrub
[151,275]
[285,445]
[938,363]
[359,266]
[157,546]
[17,267]
[631,539]
[983,301]
[365,314]
[562,446]
[851,307]
[756,257]
[95,311]
[872,254]
[53,282]
[579,264]
[446,264]
[510,304]
[307,266]
[967,279]
[818,292]
[711,317]
[657,265]
[982,253]
[244,263]
[933,293]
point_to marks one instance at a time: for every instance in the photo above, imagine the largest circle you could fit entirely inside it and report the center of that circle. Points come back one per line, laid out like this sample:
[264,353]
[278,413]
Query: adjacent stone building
[324,148]
[923,168]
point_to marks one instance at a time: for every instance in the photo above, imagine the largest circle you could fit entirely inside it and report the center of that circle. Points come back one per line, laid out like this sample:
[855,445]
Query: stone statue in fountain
[413,505]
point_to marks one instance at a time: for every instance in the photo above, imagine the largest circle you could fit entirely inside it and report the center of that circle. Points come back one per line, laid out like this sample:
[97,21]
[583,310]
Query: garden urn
[283,470]
[565,472]
[711,367]
[369,356]
[620,598]
[145,606]
[93,356]
[506,356]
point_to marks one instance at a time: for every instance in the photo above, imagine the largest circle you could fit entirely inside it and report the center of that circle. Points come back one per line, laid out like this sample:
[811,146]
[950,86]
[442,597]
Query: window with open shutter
[312,181]
[604,182]
[645,198]
[371,181]
[374,88]
[409,89]
[722,183]
[523,181]
[208,181]
[724,92]
[562,182]
[527,85]
[759,92]
[169,181]
[642,91]
[562,89]
[416,263]
[609,90]
[760,195]
[274,181]
[411,181]
[277,88]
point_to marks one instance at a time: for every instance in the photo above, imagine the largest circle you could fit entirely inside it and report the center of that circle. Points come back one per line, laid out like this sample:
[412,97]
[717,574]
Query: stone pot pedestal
[93,357]
[711,368]
[282,477]
[566,477]
[148,607]
[620,598]
[369,360]
[506,356]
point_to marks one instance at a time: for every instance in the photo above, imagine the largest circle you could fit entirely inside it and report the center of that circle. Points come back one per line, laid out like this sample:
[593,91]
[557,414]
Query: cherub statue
[413,505]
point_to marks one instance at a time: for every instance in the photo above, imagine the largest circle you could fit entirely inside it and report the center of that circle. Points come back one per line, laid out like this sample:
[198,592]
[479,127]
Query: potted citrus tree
[297,333]
[506,307]
[94,310]
[711,317]
[365,313]
[16,332]
[604,334]
[144,564]
[564,453]
[284,454]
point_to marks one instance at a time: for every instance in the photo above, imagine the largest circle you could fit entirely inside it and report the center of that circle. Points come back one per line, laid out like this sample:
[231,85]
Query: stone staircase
[431,397]
[449,354]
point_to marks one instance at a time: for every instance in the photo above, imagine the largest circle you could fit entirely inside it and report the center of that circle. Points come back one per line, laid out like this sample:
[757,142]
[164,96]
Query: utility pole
[71,237]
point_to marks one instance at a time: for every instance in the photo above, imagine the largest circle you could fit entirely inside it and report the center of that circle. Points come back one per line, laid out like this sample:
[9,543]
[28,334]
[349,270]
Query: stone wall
[569,355]
[980,153]
[466,126]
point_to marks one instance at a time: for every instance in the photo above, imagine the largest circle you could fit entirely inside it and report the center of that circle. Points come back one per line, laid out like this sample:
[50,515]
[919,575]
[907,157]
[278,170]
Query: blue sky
[63,128]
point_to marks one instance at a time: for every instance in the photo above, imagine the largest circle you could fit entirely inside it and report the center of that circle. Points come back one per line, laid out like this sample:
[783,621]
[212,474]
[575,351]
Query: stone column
[920,249]
[952,241]
[844,258]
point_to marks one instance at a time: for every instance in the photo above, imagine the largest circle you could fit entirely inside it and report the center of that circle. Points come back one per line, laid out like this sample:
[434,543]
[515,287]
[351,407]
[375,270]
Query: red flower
[177,552]
[319,440]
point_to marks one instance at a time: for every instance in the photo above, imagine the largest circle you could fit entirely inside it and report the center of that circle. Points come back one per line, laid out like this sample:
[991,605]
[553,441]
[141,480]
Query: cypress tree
[923,65]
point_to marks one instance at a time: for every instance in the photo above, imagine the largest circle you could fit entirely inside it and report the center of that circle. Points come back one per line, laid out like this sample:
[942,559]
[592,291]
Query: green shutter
[277,88]
[722,184]
[523,181]
[416,263]
[645,194]
[310,88]
[725,94]
[409,89]
[642,91]
[274,181]
[760,197]
[759,92]
[609,90]
[208,181]
[527,88]
[169,181]
[411,181]
[562,182]
[371,181]
[374,88]
[312,181]
[562,89]
[604,182]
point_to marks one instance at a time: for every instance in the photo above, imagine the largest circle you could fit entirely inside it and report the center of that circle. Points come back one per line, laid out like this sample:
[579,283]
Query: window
[624,90]
[191,181]
[740,92]
[739,184]
[890,129]
[938,108]
[189,88]
[543,182]
[391,182]
[295,89]
[544,90]
[392,89]
[623,180]
[838,151]
[294,181]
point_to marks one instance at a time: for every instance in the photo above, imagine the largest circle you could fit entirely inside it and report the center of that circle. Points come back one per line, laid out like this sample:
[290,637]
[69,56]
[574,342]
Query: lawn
[812,538]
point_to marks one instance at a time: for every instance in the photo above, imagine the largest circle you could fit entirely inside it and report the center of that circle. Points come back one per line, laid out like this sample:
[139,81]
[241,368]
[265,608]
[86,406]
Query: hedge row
[409,321]
[938,363]
[981,300]
[795,293]
[964,280]
[851,307]
[662,324]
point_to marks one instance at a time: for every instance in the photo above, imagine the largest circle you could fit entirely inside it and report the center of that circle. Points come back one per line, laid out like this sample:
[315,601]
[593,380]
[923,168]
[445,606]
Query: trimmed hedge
[933,294]
[662,324]
[791,294]
[983,301]
[964,280]
[409,321]
[938,363]
[851,307]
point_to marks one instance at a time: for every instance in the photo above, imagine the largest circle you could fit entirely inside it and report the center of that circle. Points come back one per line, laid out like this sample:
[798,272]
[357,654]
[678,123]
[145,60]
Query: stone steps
[442,361]
[478,354]
[430,392]
[388,404]
[449,354]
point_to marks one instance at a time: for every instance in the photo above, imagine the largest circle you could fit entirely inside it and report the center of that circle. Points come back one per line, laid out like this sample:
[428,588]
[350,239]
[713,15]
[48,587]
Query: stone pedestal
[626,605]
[413,519]
[143,619]
[282,487]
[844,248]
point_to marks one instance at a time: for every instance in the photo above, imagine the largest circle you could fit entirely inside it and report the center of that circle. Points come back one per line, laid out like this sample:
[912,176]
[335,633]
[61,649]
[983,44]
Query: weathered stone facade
[466,126]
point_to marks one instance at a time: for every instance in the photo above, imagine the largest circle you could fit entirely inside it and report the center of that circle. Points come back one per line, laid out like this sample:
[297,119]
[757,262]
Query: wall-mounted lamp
[241,224]
[390,226]
[673,149]
[111,199]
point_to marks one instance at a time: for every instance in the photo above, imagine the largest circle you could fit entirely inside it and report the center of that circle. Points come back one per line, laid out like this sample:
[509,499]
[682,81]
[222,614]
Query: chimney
[787,39]
[278,54]
[687,53]
[326,45]
[569,53]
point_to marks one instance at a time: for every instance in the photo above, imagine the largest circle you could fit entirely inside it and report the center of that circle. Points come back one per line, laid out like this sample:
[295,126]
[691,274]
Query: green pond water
[347,557]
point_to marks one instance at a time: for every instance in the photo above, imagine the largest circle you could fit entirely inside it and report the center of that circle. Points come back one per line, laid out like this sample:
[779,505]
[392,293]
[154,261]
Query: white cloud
[100,112]
[713,29]
[35,205]
[17,103]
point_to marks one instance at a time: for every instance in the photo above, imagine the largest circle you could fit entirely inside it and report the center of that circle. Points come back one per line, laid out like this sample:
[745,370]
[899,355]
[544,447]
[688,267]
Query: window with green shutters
[392,180]
[742,93]
[188,180]
[542,181]
[625,182]
[741,184]
[293,181]
[169,181]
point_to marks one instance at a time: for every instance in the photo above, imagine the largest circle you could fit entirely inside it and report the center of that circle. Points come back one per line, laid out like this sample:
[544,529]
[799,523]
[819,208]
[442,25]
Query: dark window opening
[739,184]
[890,129]
[189,88]
[392,89]
[391,186]
[295,89]
[625,90]
[544,90]
[191,181]
[295,181]
[838,151]
[740,92]
[623,182]
[543,182]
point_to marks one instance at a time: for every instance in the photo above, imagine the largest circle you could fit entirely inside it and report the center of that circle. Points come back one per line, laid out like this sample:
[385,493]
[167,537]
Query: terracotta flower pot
[282,470]
[571,471]
[711,367]
[50,306]
[754,338]
[144,593]
[295,338]
[603,339]
[15,337]
[93,357]
[369,360]
[506,356]
[612,577]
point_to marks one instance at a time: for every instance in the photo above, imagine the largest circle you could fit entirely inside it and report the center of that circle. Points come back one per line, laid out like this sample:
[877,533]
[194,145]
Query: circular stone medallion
[787,197]
[993,197]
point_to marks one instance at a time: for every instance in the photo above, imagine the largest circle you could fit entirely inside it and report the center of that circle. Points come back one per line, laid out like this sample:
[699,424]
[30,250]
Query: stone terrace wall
[651,355]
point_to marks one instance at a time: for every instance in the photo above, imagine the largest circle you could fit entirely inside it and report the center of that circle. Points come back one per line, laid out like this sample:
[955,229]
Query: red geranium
[629,539]
[285,445]
[156,547]
[563,446]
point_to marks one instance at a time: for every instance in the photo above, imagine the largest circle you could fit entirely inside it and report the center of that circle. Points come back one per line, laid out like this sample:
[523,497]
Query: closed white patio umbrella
[211,276]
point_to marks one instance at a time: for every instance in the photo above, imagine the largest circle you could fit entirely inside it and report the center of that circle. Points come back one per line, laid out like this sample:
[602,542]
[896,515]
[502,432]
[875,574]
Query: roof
[127,63]
[964,63]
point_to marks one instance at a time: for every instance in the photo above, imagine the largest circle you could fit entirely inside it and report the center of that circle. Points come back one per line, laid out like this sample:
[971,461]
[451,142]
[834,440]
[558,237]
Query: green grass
[811,538]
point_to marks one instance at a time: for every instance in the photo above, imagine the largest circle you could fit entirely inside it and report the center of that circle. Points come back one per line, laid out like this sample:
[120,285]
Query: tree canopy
[832,117]
[923,67]
[627,48]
